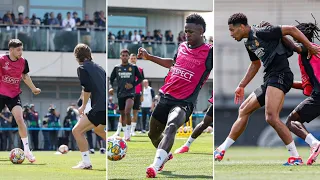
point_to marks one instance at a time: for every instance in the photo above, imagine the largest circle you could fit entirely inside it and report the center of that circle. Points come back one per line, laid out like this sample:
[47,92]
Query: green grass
[196,164]
[243,163]
[52,167]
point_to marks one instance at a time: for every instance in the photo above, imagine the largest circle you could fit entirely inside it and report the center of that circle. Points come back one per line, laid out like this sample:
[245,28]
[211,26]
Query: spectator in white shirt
[135,38]
[68,23]
[147,103]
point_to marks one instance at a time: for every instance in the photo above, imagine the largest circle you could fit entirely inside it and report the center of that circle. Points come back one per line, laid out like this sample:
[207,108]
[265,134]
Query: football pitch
[50,166]
[243,163]
[196,164]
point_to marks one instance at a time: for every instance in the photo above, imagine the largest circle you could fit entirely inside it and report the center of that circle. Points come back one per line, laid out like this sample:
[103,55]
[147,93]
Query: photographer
[31,119]
[53,121]
[70,120]
[6,136]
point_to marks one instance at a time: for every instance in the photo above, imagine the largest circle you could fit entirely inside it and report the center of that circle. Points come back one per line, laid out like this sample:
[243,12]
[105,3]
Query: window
[40,7]
[127,23]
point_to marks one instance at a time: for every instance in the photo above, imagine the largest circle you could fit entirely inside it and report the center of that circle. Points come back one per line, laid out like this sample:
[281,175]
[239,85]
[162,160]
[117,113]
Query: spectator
[181,37]
[20,19]
[112,107]
[210,40]
[53,122]
[68,23]
[101,20]
[124,36]
[26,21]
[146,104]
[52,21]
[76,18]
[141,35]
[158,36]
[33,19]
[86,26]
[59,17]
[8,19]
[135,38]
[169,37]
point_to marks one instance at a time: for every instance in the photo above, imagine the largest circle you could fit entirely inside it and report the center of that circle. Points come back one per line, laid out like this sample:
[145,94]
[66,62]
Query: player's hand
[111,91]
[128,86]
[142,53]
[81,109]
[239,95]
[313,50]
[141,98]
[36,91]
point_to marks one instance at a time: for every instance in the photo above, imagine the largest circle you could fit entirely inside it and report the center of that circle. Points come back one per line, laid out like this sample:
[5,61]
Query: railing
[50,38]
[154,48]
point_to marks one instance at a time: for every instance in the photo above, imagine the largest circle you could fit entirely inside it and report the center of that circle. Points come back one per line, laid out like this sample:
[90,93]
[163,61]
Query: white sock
[25,144]
[226,144]
[189,141]
[292,149]
[128,129]
[85,157]
[124,129]
[311,140]
[161,155]
[133,129]
[119,128]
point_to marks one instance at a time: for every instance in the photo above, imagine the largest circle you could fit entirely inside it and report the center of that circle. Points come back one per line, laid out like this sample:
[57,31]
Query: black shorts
[165,106]
[137,102]
[309,109]
[210,111]
[10,102]
[97,117]
[282,81]
[122,102]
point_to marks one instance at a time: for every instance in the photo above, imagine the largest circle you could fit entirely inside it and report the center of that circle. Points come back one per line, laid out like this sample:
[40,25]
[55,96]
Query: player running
[308,109]
[207,120]
[126,74]
[13,68]
[93,79]
[264,44]
[189,70]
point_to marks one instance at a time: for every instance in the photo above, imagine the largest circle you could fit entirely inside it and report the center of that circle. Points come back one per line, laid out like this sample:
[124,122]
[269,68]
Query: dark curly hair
[196,19]
[310,30]
[238,18]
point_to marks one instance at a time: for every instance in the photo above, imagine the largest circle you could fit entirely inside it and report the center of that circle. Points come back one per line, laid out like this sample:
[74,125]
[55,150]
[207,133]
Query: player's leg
[100,131]
[127,113]
[122,118]
[252,103]
[99,119]
[89,138]
[136,108]
[306,111]
[78,131]
[14,105]
[207,120]
[176,118]
[274,102]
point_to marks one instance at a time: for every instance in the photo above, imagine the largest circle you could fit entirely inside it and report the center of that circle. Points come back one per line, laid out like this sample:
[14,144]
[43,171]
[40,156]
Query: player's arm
[300,37]
[164,62]
[27,79]
[86,85]
[297,85]
[113,77]
[138,75]
[142,74]
[252,70]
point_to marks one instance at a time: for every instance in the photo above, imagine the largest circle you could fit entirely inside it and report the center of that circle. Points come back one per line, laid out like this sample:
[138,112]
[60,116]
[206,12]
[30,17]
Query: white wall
[56,64]
[151,70]
[184,5]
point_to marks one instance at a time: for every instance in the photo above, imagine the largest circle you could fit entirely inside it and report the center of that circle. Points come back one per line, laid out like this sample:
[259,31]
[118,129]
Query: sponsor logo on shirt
[182,73]
[10,80]
[6,67]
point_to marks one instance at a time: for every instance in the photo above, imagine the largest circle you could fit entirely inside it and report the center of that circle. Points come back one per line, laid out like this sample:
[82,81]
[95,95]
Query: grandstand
[49,38]
[161,25]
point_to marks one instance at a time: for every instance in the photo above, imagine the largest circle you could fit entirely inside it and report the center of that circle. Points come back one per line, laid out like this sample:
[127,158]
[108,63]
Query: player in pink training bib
[13,68]
[189,70]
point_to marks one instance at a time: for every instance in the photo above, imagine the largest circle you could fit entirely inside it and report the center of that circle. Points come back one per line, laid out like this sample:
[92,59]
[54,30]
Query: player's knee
[271,118]
[243,111]
[172,128]
[75,132]
[151,136]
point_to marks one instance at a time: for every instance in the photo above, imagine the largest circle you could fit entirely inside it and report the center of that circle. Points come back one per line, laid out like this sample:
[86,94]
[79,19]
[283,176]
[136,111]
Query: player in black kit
[126,74]
[93,81]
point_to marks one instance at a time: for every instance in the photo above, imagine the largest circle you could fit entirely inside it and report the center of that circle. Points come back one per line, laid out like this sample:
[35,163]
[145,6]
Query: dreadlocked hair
[310,30]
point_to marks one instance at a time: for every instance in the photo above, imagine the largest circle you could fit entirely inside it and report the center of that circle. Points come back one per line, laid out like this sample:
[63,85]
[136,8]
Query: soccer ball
[117,148]
[63,149]
[16,156]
